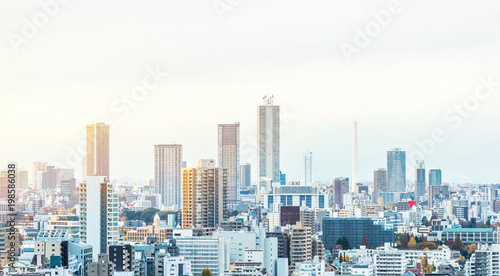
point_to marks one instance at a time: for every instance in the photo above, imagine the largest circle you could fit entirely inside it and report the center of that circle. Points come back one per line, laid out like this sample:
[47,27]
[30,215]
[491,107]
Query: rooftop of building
[462,230]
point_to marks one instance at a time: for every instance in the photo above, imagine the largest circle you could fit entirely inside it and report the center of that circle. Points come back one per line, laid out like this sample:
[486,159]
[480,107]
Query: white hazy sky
[71,71]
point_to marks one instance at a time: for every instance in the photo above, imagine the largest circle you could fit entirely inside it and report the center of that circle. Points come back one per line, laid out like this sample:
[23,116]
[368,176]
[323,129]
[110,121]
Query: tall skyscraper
[396,170]
[39,167]
[168,179]
[98,214]
[97,158]
[340,188]
[435,177]
[354,179]
[204,195]
[52,178]
[246,175]
[419,179]
[307,169]
[229,157]
[379,183]
[268,140]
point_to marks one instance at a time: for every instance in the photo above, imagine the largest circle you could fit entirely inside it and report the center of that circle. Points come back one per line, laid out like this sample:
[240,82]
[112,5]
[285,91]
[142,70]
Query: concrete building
[289,215]
[38,168]
[396,170]
[252,246]
[53,177]
[307,169]
[300,245]
[228,136]
[97,157]
[377,231]
[471,235]
[103,267]
[308,219]
[268,141]
[435,178]
[98,214]
[485,261]
[438,194]
[168,176]
[340,188]
[204,195]
[64,220]
[202,252]
[305,196]
[246,175]
[389,263]
[419,180]
[122,256]
[176,266]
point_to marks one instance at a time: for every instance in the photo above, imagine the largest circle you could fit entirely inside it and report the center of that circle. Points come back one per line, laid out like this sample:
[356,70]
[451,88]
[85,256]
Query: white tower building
[98,214]
[307,169]
[168,170]
[268,140]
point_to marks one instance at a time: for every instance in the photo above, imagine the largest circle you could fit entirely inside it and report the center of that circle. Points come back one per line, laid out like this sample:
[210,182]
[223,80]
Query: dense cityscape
[249,138]
[214,219]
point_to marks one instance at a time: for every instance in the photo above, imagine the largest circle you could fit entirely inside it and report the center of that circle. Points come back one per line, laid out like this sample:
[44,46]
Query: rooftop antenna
[268,100]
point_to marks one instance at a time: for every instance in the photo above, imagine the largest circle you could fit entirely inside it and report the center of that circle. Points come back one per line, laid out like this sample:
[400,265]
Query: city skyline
[255,138]
[308,77]
[364,180]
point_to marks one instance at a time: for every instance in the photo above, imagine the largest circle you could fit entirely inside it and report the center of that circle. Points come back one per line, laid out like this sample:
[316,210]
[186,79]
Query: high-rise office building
[168,170]
[52,177]
[229,157]
[354,183]
[340,188]
[307,169]
[438,194]
[98,214]
[396,170]
[38,168]
[204,195]
[435,177]
[379,183]
[419,180]
[245,175]
[97,157]
[268,140]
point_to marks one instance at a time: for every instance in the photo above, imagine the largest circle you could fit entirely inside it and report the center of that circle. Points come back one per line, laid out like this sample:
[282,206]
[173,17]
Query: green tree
[148,215]
[463,252]
[206,272]
[344,242]
[425,221]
